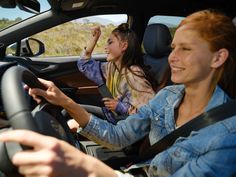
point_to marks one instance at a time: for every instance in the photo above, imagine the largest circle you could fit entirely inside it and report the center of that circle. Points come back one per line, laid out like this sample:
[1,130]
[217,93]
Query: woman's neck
[198,94]
[194,103]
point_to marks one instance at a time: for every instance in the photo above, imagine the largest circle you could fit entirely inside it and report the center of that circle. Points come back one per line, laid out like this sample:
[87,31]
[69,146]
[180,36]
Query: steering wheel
[46,118]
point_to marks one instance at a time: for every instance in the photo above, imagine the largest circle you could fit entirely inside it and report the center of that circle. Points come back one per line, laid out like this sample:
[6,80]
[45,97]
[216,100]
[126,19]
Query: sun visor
[67,5]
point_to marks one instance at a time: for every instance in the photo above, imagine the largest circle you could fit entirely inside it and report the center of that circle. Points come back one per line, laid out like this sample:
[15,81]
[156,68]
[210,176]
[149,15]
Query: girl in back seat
[124,73]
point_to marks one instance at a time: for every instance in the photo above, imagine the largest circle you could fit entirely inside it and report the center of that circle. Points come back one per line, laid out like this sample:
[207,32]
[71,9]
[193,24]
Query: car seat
[156,43]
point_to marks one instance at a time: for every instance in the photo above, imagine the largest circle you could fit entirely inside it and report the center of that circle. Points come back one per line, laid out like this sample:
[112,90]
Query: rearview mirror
[32,6]
[8,3]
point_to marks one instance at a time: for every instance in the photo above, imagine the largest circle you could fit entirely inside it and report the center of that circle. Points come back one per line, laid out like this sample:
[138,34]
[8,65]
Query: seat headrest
[157,40]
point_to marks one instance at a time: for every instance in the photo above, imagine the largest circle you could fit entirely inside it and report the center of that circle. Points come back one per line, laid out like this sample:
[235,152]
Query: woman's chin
[176,80]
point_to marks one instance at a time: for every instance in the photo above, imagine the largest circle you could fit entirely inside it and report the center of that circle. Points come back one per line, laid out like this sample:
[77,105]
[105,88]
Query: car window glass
[69,39]
[11,16]
[170,21]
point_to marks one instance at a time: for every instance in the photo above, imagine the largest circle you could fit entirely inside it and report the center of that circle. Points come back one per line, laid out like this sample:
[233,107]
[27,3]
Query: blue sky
[12,13]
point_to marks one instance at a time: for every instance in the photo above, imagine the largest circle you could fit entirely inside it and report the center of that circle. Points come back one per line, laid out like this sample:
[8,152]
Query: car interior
[28,59]
[156,42]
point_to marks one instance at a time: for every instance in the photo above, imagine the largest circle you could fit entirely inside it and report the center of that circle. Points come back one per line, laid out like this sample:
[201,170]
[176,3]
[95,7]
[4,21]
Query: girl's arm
[96,32]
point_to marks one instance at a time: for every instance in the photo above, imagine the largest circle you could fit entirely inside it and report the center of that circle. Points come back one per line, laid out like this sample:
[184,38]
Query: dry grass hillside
[4,22]
[70,38]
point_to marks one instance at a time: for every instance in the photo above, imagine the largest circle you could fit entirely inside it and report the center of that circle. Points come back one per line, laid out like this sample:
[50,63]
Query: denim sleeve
[127,131]
[91,69]
[217,162]
[124,133]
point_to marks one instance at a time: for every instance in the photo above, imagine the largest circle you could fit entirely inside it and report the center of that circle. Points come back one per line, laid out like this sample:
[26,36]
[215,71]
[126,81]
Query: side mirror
[31,47]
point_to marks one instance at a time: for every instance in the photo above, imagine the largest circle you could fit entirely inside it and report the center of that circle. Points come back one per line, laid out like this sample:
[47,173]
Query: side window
[70,38]
[171,21]
[11,16]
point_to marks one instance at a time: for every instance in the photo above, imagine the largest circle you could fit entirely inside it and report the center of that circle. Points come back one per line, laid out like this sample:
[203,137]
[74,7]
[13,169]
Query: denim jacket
[207,152]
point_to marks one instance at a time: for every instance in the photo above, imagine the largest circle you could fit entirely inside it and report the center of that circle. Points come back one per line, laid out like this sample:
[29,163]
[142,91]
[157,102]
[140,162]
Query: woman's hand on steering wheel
[52,93]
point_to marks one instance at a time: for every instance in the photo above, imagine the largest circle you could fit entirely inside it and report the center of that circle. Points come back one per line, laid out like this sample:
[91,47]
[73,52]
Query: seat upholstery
[156,42]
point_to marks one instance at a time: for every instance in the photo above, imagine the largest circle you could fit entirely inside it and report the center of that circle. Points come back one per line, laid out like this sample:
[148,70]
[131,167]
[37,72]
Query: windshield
[10,16]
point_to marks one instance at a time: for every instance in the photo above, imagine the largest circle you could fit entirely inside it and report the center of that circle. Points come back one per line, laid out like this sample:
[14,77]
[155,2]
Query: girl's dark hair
[133,54]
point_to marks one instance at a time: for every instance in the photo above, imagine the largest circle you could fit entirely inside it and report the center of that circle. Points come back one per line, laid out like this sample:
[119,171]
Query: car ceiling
[149,7]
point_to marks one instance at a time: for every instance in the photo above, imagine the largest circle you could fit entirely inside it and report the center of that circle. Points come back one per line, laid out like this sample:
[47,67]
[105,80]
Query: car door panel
[65,75]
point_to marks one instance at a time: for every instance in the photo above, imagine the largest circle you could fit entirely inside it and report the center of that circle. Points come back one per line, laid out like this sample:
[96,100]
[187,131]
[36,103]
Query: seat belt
[104,91]
[210,117]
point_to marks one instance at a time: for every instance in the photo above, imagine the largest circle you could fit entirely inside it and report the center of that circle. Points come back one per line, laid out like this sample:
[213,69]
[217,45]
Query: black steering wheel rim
[19,112]
[21,116]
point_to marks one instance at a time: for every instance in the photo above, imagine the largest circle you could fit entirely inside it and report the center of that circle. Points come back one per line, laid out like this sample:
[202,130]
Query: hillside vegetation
[70,38]
[4,22]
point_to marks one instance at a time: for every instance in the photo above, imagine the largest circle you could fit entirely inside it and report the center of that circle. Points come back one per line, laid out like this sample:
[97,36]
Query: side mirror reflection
[29,47]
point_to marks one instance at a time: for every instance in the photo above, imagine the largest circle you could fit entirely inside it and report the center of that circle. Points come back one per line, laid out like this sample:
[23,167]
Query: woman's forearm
[76,112]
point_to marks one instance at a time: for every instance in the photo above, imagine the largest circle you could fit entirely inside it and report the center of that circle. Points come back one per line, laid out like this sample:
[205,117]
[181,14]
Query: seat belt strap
[104,91]
[210,117]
